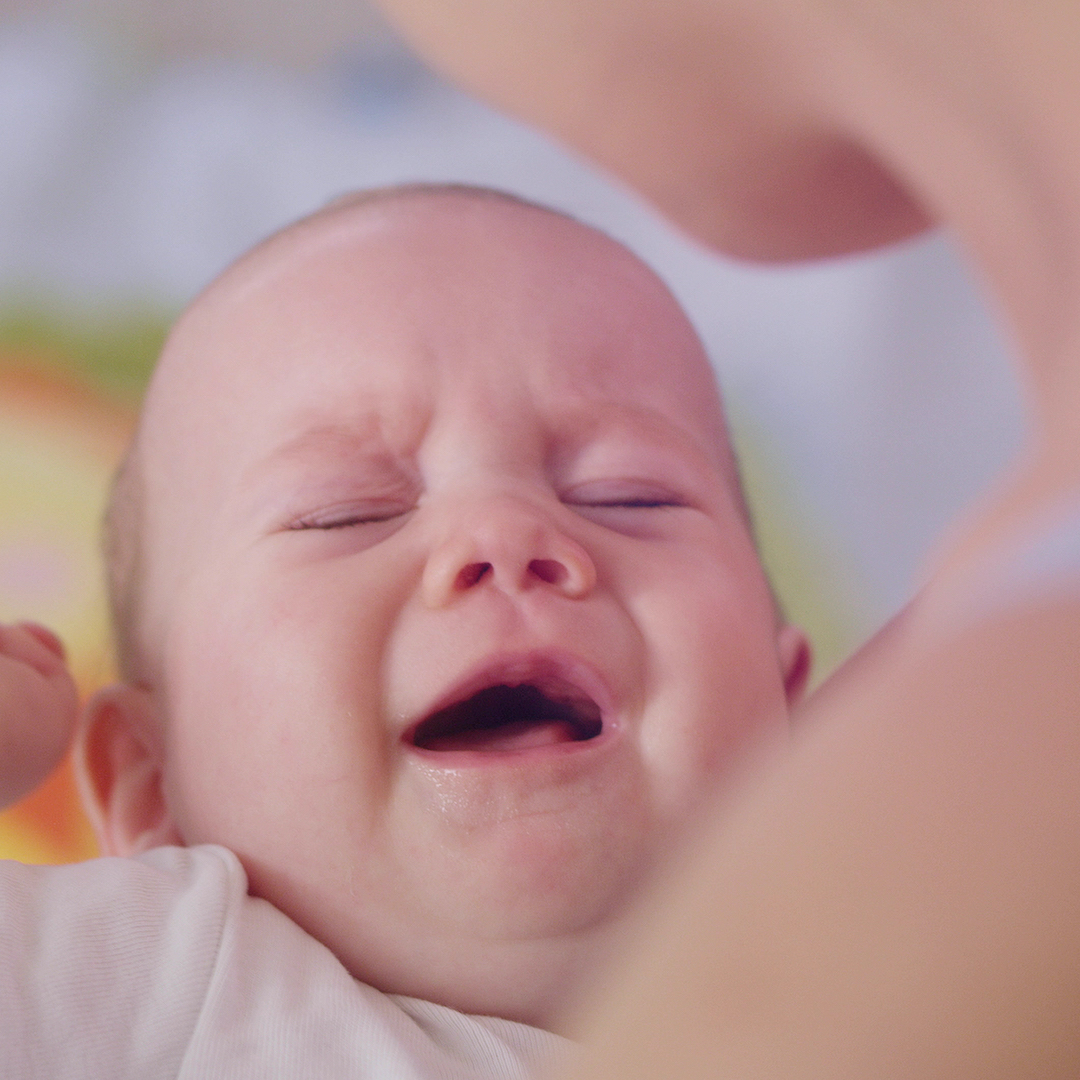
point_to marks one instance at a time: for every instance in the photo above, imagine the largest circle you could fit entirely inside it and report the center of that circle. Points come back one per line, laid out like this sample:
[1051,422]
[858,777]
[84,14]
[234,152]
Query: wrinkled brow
[361,447]
[322,441]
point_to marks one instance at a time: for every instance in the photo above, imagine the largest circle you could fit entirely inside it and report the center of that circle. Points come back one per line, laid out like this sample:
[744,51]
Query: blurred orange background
[64,422]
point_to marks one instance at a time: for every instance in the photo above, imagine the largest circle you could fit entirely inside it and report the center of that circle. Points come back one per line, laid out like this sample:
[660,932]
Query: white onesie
[162,966]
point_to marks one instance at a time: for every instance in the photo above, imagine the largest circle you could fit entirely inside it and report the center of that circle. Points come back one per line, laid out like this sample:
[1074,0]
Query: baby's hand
[38,707]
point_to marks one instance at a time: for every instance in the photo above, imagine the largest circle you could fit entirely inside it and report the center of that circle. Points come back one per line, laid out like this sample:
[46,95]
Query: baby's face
[428,449]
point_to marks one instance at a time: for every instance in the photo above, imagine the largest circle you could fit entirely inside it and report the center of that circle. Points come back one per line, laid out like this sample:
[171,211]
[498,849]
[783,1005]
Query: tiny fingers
[46,637]
[34,645]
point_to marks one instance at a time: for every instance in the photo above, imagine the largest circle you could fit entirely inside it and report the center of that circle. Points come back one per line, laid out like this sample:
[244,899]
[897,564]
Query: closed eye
[629,504]
[634,508]
[347,516]
[625,494]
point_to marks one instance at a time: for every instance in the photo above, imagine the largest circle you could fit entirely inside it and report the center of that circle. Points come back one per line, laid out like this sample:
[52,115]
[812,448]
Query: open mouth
[504,717]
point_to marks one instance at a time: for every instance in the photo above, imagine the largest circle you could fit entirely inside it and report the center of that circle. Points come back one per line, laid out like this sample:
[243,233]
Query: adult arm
[689,101]
[900,898]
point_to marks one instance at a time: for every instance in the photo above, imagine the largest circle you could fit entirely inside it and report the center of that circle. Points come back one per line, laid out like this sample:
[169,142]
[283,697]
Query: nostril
[550,571]
[471,574]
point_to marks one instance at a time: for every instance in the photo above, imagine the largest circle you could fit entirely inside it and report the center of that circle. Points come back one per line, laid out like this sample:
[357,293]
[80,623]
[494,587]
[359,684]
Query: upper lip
[558,675]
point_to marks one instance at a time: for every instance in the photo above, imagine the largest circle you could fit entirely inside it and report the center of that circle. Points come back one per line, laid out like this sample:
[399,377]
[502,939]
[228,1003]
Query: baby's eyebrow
[359,447]
[637,426]
[329,439]
[362,445]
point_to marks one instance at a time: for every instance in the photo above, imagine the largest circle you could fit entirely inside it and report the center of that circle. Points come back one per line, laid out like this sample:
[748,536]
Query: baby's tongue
[516,735]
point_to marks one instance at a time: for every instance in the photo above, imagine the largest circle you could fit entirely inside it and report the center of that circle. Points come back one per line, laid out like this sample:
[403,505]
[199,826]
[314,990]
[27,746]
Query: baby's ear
[119,755]
[796,657]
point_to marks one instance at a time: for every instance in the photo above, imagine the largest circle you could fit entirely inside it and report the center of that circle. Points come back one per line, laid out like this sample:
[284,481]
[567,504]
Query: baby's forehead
[421,296]
[377,321]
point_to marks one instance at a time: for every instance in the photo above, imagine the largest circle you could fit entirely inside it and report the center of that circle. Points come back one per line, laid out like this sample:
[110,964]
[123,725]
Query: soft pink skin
[482,376]
[38,707]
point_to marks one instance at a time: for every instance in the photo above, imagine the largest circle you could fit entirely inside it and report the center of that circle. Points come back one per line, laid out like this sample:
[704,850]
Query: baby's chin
[558,867]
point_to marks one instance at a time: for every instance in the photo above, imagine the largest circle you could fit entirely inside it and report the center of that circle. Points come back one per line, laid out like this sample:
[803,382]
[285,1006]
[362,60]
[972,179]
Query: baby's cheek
[715,688]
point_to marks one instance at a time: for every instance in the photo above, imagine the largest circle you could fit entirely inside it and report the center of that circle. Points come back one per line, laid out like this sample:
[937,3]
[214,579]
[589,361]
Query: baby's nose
[509,545]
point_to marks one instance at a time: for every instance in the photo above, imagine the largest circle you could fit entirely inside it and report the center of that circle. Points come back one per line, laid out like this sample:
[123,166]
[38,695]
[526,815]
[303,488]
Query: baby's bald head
[149,471]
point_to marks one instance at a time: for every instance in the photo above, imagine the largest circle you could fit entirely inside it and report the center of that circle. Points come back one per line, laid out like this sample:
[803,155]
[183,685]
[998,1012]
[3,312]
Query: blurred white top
[163,967]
